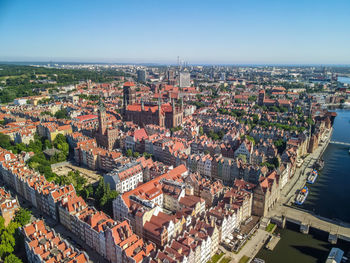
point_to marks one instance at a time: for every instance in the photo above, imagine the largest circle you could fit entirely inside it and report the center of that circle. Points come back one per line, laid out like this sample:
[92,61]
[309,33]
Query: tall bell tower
[102,118]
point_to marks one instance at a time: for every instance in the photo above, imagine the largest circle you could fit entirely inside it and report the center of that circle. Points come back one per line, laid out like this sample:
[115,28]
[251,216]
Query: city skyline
[235,32]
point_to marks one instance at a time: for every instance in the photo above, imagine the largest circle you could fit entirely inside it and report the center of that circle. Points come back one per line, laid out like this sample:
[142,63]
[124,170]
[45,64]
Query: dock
[273,242]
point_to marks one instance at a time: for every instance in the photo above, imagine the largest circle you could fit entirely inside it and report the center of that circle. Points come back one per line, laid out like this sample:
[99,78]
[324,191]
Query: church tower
[102,118]
[129,94]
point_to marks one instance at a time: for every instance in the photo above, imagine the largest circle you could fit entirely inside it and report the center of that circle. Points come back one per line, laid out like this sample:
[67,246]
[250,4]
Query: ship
[312,176]
[301,197]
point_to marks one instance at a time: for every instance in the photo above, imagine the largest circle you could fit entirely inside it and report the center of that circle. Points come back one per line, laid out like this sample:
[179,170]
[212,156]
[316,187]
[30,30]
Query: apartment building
[44,245]
[8,206]
[125,178]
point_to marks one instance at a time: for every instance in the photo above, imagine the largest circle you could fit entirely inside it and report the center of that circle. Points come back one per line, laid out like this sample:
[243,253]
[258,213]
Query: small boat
[301,197]
[312,176]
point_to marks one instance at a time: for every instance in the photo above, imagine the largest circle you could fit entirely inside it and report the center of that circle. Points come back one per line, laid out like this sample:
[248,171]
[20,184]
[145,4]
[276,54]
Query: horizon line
[167,64]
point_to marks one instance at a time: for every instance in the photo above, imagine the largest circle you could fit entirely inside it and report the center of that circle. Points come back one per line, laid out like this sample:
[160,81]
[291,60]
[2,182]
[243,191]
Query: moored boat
[312,176]
[301,197]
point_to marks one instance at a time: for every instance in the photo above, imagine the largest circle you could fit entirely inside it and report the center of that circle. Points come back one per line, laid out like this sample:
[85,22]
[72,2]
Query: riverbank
[297,247]
[330,193]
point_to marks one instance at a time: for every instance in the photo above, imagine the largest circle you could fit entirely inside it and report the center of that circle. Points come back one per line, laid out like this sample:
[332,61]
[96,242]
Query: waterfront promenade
[307,219]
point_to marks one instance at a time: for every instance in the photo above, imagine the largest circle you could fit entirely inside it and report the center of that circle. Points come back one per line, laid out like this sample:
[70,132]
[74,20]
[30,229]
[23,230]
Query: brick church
[167,115]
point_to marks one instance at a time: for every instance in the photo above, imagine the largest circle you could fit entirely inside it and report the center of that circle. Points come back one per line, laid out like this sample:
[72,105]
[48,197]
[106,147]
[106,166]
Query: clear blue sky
[220,31]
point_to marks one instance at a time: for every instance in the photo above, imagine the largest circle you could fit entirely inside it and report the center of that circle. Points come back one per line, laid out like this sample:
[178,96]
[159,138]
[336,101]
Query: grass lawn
[270,227]
[216,258]
[244,259]
[225,260]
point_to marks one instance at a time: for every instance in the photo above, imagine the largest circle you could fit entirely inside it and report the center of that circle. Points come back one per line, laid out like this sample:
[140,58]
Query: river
[295,247]
[328,197]
[344,80]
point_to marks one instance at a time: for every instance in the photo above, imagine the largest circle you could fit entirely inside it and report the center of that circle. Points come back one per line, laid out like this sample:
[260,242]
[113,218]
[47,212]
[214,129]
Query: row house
[24,136]
[135,140]
[225,219]
[42,194]
[61,203]
[210,191]
[245,149]
[146,200]
[43,244]
[200,163]
[162,228]
[50,130]
[88,154]
[8,206]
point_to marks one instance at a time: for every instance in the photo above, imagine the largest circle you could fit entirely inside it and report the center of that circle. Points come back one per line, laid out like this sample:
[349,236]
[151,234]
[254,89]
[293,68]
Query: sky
[199,32]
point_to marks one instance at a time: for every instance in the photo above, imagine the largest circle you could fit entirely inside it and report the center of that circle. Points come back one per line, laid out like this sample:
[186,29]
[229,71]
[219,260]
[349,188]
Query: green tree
[129,153]
[201,131]
[281,145]
[62,114]
[2,224]
[12,259]
[23,216]
[136,154]
[276,162]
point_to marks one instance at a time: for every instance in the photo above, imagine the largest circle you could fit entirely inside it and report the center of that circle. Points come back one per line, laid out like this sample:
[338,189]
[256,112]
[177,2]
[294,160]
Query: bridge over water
[341,143]
[305,220]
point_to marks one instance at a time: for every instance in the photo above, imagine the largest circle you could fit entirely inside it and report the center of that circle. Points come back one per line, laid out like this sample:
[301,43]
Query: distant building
[165,115]
[141,75]
[261,97]
[185,79]
[20,101]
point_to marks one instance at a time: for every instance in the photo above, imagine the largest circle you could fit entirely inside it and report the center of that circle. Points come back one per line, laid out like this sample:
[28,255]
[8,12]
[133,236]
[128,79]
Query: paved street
[251,248]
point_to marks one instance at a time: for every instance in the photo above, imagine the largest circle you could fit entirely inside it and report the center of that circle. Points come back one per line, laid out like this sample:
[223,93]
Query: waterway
[329,196]
[295,247]
[344,80]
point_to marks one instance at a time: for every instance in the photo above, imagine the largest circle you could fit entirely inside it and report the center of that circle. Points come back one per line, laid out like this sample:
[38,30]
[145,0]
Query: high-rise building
[185,79]
[141,75]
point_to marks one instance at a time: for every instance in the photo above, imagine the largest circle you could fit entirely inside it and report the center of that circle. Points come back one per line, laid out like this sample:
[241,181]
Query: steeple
[101,105]
[102,119]
[142,104]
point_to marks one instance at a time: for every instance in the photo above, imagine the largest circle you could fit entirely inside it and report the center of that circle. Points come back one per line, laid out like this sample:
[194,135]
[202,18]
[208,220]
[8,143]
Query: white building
[185,79]
[20,101]
[125,178]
